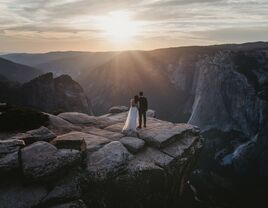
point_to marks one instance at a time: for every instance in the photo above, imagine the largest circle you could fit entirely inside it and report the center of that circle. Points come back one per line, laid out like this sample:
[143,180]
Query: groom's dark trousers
[142,115]
[143,106]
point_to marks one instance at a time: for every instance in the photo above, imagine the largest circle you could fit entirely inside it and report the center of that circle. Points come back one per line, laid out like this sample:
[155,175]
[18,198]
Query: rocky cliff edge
[85,161]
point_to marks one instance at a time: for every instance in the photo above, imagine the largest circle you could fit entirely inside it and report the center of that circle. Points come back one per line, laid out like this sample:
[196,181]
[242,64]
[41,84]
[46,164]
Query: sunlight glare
[118,26]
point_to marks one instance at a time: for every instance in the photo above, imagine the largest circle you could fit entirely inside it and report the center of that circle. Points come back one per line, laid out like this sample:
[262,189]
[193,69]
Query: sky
[105,25]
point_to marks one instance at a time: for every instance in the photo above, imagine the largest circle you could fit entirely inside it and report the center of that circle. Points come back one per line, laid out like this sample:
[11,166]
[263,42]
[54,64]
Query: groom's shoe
[139,127]
[144,126]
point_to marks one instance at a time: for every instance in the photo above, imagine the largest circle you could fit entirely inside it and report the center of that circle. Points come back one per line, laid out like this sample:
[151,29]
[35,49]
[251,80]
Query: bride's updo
[136,99]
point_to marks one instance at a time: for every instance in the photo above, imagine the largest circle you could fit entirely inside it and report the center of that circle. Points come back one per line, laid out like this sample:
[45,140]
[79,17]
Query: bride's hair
[136,99]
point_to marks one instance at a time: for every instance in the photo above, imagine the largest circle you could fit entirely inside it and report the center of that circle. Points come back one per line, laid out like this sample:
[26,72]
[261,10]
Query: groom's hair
[141,93]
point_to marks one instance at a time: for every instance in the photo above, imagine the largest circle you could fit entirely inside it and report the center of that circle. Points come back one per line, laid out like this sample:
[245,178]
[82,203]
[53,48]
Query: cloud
[239,34]
[40,29]
[169,21]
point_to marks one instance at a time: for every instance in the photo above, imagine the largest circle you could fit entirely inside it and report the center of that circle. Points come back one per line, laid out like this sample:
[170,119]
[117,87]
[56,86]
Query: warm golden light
[118,26]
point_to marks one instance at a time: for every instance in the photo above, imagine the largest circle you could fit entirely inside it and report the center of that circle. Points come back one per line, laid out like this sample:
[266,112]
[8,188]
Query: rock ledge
[91,163]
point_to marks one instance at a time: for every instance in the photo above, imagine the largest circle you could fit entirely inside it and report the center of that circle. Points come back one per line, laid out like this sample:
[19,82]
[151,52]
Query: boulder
[133,144]
[115,127]
[118,117]
[80,140]
[150,113]
[178,148]
[139,166]
[5,135]
[155,156]
[147,185]
[59,125]
[21,195]
[27,138]
[166,133]
[41,160]
[141,184]
[9,154]
[130,133]
[104,121]
[118,109]
[71,140]
[40,134]
[104,133]
[78,118]
[107,161]
[9,162]
[72,204]
[10,146]
[66,189]
[110,119]
[94,143]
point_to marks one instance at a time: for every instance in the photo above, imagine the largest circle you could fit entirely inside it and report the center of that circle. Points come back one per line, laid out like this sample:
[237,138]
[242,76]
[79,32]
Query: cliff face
[50,94]
[85,161]
[227,98]
[47,94]
[220,95]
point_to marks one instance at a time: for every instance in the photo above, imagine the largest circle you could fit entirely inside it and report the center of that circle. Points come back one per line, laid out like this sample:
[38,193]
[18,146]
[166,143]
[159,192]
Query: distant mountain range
[72,63]
[167,76]
[17,72]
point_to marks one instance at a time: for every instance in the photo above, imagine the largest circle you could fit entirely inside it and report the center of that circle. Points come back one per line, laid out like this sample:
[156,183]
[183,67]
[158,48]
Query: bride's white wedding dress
[131,122]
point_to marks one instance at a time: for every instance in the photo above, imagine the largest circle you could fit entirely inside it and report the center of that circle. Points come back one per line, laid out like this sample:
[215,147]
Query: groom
[143,107]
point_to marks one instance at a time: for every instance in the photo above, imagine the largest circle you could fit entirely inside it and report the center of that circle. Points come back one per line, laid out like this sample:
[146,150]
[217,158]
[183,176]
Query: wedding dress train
[131,122]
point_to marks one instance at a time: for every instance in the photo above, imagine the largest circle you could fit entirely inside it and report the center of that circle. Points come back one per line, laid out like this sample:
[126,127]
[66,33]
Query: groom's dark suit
[143,107]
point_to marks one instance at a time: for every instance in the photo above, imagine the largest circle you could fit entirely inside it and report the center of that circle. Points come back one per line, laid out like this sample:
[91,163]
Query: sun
[117,26]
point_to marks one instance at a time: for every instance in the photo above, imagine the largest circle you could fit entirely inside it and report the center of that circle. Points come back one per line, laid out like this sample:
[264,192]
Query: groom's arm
[146,104]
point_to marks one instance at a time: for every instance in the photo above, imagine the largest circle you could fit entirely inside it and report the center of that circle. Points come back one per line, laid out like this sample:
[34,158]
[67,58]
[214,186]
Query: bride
[131,122]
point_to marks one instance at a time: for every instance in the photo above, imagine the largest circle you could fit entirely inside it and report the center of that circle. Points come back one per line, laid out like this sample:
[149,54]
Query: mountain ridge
[17,72]
[118,51]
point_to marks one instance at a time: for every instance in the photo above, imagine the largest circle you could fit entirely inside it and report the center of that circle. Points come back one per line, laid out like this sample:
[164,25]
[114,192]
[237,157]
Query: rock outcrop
[42,160]
[52,95]
[133,144]
[96,165]
[118,109]
[55,94]
[40,134]
[9,154]
[77,118]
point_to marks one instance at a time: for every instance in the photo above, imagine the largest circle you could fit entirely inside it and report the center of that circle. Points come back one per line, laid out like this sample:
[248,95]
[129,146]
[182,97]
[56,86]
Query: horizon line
[120,51]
